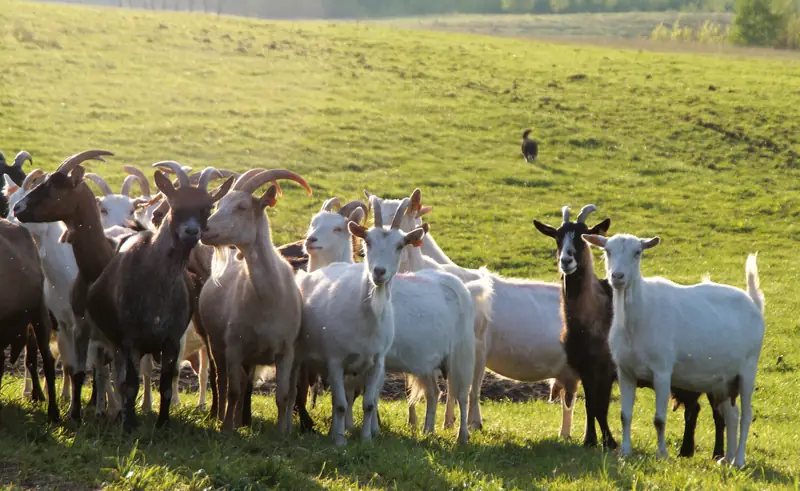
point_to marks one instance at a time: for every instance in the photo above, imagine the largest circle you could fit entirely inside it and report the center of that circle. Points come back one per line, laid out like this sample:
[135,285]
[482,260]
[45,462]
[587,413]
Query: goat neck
[167,245]
[92,250]
[261,261]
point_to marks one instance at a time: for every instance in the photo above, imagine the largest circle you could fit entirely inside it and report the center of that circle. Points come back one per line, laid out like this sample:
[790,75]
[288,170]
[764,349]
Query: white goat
[432,320]
[704,338]
[520,339]
[116,209]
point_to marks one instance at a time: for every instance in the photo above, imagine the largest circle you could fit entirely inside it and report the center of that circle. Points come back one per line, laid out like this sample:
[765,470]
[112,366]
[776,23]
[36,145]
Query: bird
[530,148]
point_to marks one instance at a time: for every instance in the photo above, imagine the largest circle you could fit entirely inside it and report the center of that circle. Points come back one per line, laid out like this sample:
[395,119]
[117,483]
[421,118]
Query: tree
[755,23]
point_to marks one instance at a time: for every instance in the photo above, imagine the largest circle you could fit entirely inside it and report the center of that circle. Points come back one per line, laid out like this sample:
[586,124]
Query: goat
[520,340]
[705,337]
[141,302]
[24,305]
[586,305]
[530,148]
[64,196]
[250,307]
[15,172]
[144,206]
[59,268]
[116,209]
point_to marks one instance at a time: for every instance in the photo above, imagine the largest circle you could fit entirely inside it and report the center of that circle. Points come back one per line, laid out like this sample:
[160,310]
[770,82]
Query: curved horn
[266,176]
[144,184]
[228,173]
[378,217]
[585,212]
[183,178]
[101,183]
[347,209]
[401,210]
[243,178]
[126,185]
[330,203]
[206,175]
[565,214]
[21,158]
[73,161]
[32,179]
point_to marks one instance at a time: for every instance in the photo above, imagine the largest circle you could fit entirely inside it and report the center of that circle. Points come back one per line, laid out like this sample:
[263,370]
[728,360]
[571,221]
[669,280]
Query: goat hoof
[339,440]
[590,443]
[610,445]
[53,415]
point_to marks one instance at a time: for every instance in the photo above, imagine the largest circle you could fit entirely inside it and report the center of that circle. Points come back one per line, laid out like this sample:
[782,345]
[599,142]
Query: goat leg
[691,410]
[169,367]
[130,390]
[301,399]
[603,399]
[246,406]
[32,366]
[42,329]
[590,390]
[719,430]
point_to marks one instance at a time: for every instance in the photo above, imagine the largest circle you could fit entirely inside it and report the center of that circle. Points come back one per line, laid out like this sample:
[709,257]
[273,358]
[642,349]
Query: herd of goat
[192,274]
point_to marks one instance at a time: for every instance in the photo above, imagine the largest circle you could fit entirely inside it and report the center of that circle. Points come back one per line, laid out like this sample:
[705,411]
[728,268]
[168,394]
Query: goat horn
[416,201]
[565,214]
[126,185]
[243,178]
[266,176]
[144,184]
[101,183]
[73,161]
[376,210]
[180,173]
[585,212]
[347,209]
[228,173]
[32,179]
[401,210]
[21,158]
[330,203]
[206,175]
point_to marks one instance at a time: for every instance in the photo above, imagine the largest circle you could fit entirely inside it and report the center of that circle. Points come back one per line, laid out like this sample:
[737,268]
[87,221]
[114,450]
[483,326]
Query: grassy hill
[700,150]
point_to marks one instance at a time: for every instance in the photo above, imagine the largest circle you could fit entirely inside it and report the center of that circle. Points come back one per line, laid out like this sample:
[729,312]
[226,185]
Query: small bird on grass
[530,149]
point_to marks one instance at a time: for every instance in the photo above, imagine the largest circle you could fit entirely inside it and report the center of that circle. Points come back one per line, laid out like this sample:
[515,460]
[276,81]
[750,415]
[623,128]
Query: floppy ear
[545,229]
[221,191]
[164,185]
[601,228]
[357,230]
[414,238]
[76,176]
[269,198]
[650,243]
[595,240]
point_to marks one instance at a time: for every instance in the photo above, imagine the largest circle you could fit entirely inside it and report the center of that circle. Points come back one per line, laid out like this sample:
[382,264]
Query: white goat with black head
[705,337]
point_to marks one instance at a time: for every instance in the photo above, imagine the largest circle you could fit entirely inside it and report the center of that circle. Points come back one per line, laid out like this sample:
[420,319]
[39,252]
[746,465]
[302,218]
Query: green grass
[354,106]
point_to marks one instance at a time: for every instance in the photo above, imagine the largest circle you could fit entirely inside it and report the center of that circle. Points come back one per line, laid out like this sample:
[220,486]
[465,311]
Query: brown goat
[142,301]
[64,196]
[251,309]
[23,305]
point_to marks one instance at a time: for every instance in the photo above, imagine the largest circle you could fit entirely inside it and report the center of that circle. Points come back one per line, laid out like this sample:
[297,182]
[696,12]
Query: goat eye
[242,207]
[338,229]
[103,211]
[637,254]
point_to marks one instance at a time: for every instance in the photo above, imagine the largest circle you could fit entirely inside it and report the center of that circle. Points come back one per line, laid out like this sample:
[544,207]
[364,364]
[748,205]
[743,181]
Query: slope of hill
[700,150]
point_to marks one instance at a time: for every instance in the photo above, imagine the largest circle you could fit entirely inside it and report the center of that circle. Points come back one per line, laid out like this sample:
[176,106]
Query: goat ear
[140,203]
[66,237]
[414,238]
[357,230]
[269,198]
[164,184]
[545,229]
[357,216]
[221,191]
[650,243]
[601,228]
[424,211]
[76,176]
[595,240]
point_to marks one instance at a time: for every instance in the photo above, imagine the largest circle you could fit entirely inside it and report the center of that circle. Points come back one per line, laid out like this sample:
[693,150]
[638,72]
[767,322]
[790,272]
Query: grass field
[698,149]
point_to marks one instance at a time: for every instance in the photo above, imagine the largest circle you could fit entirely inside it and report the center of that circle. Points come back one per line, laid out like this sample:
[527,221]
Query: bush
[756,24]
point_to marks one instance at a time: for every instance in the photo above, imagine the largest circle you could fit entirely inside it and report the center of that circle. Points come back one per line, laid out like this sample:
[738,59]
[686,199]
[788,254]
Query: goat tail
[753,282]
[482,292]
[416,389]
[526,133]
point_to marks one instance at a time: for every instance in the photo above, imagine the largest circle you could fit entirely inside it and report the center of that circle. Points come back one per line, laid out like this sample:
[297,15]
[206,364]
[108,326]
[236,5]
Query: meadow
[698,149]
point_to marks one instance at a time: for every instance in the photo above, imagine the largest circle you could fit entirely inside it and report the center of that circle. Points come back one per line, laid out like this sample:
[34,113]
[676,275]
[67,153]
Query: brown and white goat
[24,305]
[251,307]
[64,196]
[142,301]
